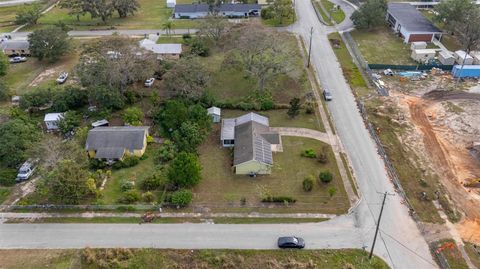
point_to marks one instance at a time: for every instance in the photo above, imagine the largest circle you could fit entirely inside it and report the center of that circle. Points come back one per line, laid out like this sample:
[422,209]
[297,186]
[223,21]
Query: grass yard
[185,259]
[319,9]
[350,70]
[453,256]
[382,46]
[165,39]
[7,17]
[279,118]
[137,173]
[336,14]
[152,14]
[221,190]
[4,193]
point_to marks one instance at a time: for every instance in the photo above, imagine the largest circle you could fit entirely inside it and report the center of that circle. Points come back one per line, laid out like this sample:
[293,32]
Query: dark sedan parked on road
[291,242]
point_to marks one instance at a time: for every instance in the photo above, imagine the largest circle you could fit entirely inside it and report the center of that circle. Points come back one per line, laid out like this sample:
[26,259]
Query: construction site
[440,122]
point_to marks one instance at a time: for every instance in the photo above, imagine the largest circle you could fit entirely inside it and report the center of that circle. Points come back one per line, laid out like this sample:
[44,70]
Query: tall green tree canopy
[370,14]
[450,12]
[16,136]
[3,64]
[50,43]
[184,172]
[67,183]
[29,14]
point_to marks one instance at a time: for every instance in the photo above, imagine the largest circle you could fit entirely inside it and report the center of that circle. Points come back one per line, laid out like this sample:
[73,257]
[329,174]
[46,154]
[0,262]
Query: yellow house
[114,143]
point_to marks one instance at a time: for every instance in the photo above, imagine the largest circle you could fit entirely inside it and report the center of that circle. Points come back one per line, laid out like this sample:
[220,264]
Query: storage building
[51,120]
[468,71]
[476,56]
[423,55]
[215,113]
[418,45]
[446,58]
[171,3]
[461,57]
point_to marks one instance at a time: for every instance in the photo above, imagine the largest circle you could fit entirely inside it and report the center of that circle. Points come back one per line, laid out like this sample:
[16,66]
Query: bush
[332,191]
[153,182]
[309,108]
[308,183]
[325,176]
[309,153]
[182,198]
[96,164]
[186,37]
[148,197]
[128,161]
[130,197]
[166,152]
[185,170]
[7,176]
[199,47]
[322,157]
[127,185]
[278,199]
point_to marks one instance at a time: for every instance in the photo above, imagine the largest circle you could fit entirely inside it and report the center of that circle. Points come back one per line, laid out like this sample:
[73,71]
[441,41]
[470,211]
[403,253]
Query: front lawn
[336,14]
[7,17]
[221,190]
[151,15]
[4,193]
[382,46]
[166,39]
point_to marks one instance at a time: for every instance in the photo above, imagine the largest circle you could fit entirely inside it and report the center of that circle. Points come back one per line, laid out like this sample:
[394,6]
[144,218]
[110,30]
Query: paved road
[15,2]
[98,33]
[368,166]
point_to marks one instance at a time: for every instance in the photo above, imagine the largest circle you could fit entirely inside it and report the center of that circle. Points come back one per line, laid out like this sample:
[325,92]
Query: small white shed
[423,55]
[171,3]
[446,58]
[51,120]
[418,45]
[476,57]
[215,113]
[461,57]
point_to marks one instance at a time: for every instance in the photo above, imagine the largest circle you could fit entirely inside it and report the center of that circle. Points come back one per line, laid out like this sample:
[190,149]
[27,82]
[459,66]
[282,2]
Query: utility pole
[378,225]
[310,47]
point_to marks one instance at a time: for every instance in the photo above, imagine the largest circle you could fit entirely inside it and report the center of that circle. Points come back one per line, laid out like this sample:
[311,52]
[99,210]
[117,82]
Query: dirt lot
[443,123]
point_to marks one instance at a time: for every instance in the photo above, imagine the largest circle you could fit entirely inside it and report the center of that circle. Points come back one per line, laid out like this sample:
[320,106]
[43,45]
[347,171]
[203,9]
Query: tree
[294,109]
[370,14]
[69,98]
[213,26]
[188,78]
[3,64]
[199,47]
[107,98]
[75,7]
[166,152]
[185,170]
[325,176]
[133,116]
[171,116]
[307,183]
[16,136]
[125,7]
[189,136]
[69,122]
[36,99]
[182,198]
[261,53]
[167,26]
[451,11]
[468,33]
[280,11]
[67,183]
[29,14]
[49,44]
[99,8]
[4,90]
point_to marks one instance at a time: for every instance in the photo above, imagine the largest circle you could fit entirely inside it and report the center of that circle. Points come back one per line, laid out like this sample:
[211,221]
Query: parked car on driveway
[18,59]
[291,242]
[26,170]
[149,82]
[327,95]
[62,77]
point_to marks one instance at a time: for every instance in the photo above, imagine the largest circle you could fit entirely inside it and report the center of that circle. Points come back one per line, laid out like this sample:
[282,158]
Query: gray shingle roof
[193,8]
[410,18]
[15,45]
[110,153]
[251,145]
[111,141]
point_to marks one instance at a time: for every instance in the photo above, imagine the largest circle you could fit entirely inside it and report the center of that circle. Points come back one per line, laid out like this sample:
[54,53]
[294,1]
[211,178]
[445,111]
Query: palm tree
[167,26]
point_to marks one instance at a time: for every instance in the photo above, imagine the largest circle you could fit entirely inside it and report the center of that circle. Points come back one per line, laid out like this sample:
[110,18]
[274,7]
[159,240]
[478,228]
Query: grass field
[186,259]
[164,39]
[325,17]
[4,193]
[473,253]
[221,190]
[151,15]
[453,256]
[381,46]
[350,70]
[7,17]
[336,14]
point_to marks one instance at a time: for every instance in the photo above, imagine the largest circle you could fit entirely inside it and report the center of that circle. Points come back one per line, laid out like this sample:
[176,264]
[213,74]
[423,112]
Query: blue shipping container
[468,71]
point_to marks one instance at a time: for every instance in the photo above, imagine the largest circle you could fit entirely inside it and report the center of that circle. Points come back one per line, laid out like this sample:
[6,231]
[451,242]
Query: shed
[171,3]
[408,22]
[418,45]
[461,57]
[476,56]
[468,71]
[423,55]
[215,113]
[51,120]
[446,58]
[99,123]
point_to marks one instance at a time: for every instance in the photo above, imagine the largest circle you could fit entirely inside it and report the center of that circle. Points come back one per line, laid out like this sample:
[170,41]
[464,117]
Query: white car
[149,82]
[62,78]
[26,170]
[18,59]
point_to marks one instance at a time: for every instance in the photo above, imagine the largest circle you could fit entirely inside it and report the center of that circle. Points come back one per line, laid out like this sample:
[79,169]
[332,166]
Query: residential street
[400,242]
[98,33]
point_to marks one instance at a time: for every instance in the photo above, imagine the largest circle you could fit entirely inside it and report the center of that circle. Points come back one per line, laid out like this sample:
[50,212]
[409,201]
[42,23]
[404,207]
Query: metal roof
[252,117]
[53,117]
[204,8]
[228,129]
[121,137]
[410,18]
[15,45]
[214,110]
[160,48]
[250,144]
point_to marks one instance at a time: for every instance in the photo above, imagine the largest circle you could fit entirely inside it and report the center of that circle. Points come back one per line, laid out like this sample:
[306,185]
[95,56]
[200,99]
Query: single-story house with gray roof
[253,143]
[163,51]
[114,143]
[409,23]
[195,11]
[15,47]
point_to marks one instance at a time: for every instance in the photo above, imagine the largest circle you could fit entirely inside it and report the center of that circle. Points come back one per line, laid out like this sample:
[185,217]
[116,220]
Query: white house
[163,51]
[408,22]
[195,11]
[51,120]
[215,113]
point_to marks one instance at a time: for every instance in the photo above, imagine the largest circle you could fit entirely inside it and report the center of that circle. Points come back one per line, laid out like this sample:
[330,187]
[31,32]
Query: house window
[229,142]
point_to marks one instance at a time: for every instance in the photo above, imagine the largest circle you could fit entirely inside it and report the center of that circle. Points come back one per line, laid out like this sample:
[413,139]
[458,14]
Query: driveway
[302,132]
